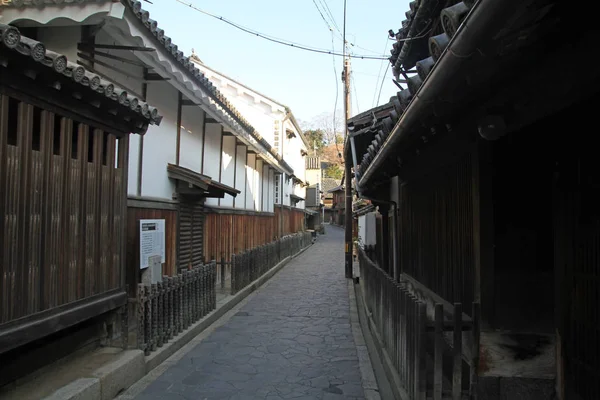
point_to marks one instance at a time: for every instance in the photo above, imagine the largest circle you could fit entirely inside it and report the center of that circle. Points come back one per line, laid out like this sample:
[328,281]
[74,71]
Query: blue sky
[302,80]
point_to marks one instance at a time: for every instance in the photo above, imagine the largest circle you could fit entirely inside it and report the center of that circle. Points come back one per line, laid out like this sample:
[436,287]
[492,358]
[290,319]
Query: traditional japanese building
[483,168]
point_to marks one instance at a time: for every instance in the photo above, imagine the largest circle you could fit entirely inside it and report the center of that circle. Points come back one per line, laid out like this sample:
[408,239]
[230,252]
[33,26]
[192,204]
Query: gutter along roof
[186,71]
[12,41]
[467,44]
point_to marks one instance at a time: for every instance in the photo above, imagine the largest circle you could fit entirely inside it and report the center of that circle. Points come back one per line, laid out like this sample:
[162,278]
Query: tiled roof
[205,83]
[178,56]
[430,26]
[328,184]
[12,40]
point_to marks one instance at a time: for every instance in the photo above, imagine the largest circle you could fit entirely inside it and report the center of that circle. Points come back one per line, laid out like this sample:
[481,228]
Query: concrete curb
[114,378]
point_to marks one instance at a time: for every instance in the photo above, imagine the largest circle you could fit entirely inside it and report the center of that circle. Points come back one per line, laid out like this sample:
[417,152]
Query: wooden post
[438,353]
[457,350]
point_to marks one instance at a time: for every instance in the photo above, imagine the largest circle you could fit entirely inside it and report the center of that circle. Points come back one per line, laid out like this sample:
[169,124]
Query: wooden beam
[114,47]
[113,57]
[234,168]
[221,162]
[155,77]
[107,65]
[59,318]
[178,150]
[203,141]
[187,102]
[210,120]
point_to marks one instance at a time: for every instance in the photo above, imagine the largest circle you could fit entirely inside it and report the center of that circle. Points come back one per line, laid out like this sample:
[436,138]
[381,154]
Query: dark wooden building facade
[485,169]
[64,135]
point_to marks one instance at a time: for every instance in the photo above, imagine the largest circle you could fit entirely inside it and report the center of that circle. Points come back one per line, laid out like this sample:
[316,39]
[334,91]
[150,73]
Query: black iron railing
[171,306]
[249,265]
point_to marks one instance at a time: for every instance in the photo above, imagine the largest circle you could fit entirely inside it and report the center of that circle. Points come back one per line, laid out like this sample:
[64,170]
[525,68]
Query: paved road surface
[292,340]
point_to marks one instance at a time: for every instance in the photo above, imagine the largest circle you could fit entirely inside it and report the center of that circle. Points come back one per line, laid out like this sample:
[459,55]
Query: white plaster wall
[313,176]
[190,152]
[287,190]
[240,176]
[265,188]
[160,143]
[258,184]
[250,180]
[129,83]
[212,155]
[228,168]
[271,191]
[133,171]
[61,39]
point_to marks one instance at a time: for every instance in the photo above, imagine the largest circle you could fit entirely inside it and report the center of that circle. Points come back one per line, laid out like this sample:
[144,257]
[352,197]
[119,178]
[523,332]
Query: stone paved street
[292,340]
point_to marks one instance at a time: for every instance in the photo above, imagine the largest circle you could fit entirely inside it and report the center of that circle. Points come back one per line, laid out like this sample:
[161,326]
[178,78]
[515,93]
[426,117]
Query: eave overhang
[197,184]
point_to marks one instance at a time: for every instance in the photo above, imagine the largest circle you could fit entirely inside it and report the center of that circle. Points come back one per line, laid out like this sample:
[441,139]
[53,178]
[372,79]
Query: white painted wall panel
[212,155]
[133,170]
[271,191]
[258,182]
[250,181]
[160,143]
[228,168]
[265,188]
[240,176]
[190,152]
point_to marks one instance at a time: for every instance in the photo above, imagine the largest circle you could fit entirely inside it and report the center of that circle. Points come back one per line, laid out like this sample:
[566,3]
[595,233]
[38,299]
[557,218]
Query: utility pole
[348,170]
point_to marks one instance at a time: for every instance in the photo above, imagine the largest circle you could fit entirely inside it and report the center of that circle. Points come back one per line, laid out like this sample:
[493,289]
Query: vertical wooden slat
[46,149]
[113,212]
[83,137]
[35,231]
[4,296]
[22,263]
[65,234]
[123,166]
[457,353]
[99,260]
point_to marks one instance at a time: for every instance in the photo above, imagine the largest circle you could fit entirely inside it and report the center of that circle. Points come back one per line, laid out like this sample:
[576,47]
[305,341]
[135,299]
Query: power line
[355,93]
[322,16]
[379,73]
[329,13]
[337,92]
[382,81]
[282,41]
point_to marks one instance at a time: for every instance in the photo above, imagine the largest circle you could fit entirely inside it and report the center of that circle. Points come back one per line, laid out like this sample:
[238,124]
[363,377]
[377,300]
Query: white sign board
[152,240]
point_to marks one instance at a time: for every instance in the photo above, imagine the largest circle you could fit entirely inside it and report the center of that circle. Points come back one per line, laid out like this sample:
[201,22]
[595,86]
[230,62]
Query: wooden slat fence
[249,265]
[62,210]
[416,342]
[167,308]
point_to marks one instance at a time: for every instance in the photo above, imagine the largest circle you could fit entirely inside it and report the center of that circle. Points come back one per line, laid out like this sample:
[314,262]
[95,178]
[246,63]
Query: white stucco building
[221,148]
[278,127]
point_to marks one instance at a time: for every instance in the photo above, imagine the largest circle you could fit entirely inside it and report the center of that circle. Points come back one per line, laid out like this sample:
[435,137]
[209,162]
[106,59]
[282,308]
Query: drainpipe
[395,223]
[485,19]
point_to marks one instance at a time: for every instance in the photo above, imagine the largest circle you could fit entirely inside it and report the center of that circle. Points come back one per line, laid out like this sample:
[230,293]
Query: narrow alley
[292,339]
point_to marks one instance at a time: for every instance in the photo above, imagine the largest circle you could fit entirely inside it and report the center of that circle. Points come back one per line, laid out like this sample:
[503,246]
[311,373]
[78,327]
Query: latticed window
[276,134]
[277,189]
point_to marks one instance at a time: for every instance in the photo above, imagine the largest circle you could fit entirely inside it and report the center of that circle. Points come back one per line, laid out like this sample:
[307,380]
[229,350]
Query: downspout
[484,20]
[395,244]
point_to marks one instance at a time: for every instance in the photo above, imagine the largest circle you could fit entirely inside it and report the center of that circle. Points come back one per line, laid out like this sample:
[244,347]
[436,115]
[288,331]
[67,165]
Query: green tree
[333,171]
[315,138]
